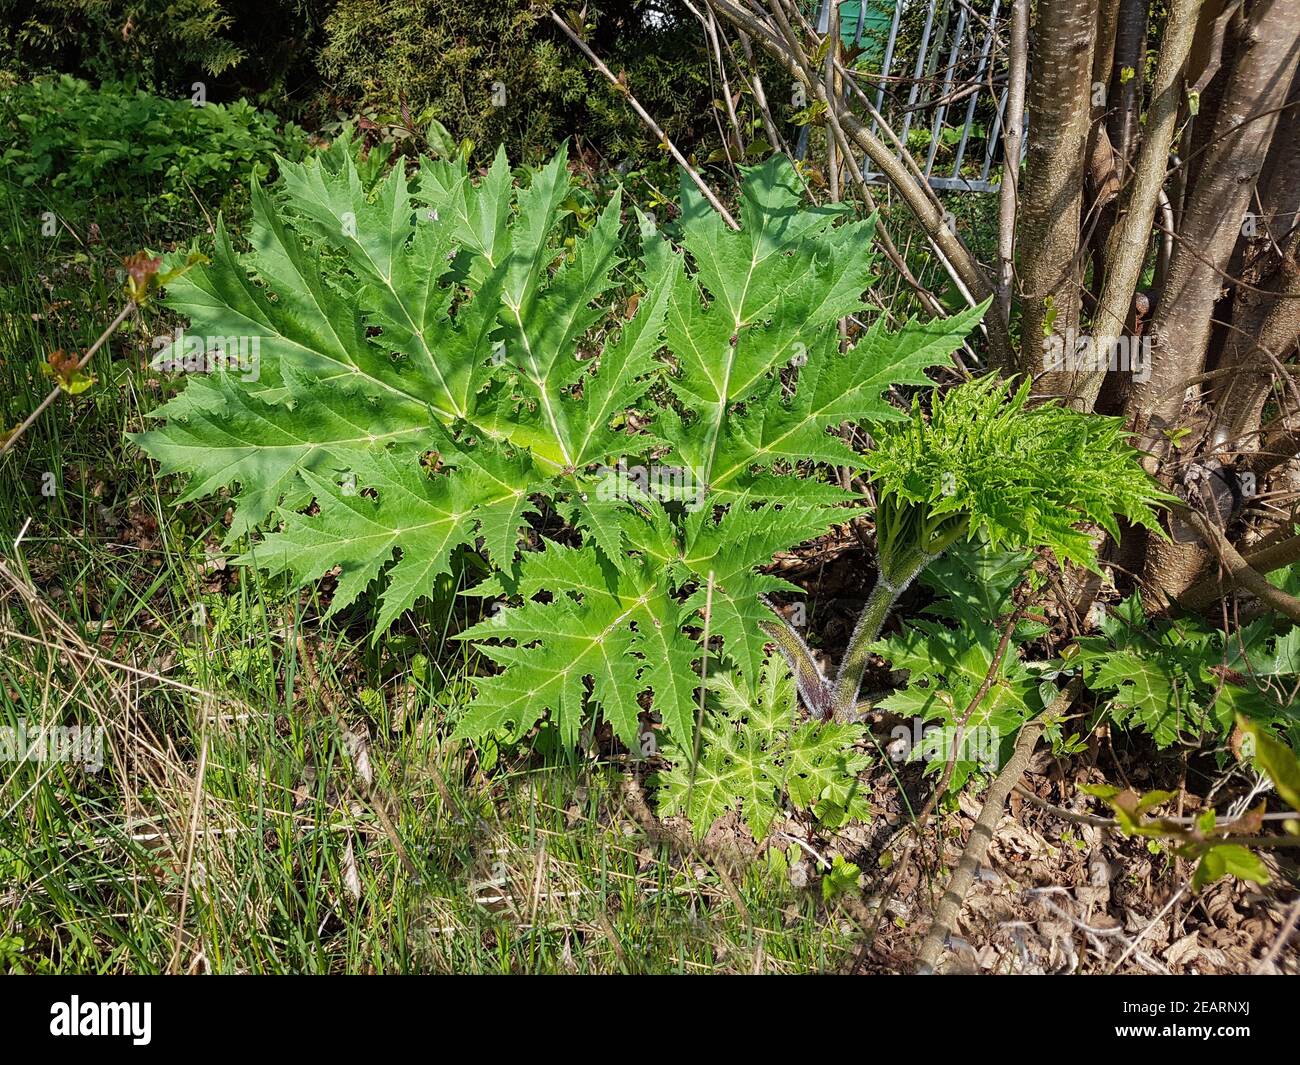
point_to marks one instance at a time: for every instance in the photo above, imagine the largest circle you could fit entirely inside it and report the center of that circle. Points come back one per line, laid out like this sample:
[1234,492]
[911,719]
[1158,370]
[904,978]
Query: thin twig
[1012,133]
[1239,570]
[1133,943]
[963,877]
[1110,822]
[54,392]
[651,124]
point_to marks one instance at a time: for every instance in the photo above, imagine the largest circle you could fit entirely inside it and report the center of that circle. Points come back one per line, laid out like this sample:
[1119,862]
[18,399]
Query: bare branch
[963,877]
[651,124]
[1013,127]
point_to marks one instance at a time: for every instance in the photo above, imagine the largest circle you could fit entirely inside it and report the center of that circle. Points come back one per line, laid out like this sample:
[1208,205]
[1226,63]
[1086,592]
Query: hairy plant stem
[816,694]
[881,601]
[838,700]
[908,538]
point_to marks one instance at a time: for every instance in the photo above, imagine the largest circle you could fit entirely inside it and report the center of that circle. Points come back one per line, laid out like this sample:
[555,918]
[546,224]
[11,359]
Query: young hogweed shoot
[980,459]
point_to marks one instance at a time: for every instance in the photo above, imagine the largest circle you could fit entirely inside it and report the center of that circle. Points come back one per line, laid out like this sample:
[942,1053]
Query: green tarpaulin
[873,23]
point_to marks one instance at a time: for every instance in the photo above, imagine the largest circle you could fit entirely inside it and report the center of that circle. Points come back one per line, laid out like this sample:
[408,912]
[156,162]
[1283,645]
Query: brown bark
[1125,80]
[1279,184]
[1216,208]
[1266,57]
[1266,314]
[1126,250]
[1213,55]
[1281,446]
[1103,171]
[1103,51]
[1103,188]
[1265,325]
[1052,196]
[1012,139]
[1247,572]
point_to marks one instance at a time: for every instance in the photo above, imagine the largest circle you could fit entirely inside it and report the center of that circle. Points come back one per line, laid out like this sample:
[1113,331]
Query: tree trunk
[1265,322]
[1126,249]
[1125,80]
[1266,58]
[1216,209]
[1060,102]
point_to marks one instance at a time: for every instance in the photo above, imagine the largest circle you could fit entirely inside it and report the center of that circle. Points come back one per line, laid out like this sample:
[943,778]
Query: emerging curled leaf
[67,372]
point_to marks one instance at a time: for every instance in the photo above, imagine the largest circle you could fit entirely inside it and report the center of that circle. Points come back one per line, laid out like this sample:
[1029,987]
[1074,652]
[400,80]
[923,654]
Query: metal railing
[957,69]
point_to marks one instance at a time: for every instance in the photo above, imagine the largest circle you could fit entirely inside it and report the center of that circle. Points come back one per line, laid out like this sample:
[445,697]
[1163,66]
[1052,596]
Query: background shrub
[413,60]
[444,58]
[258,48]
[68,147]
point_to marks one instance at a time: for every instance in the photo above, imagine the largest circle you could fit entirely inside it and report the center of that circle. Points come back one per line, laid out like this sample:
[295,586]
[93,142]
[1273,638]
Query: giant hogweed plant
[758,758]
[978,461]
[1183,679]
[443,363]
